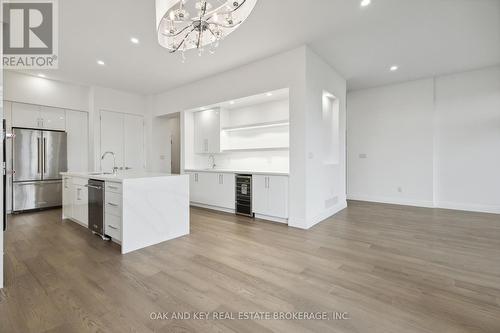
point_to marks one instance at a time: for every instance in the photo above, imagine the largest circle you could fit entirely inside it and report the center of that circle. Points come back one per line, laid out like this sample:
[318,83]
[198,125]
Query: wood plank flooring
[391,268]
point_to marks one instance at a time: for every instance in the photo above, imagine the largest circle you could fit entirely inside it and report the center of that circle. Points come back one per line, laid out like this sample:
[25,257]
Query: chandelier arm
[182,42]
[226,26]
[202,14]
[177,34]
[229,11]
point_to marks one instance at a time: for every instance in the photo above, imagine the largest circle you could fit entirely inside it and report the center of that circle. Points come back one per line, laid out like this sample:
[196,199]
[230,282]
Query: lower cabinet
[113,208]
[75,200]
[212,189]
[270,196]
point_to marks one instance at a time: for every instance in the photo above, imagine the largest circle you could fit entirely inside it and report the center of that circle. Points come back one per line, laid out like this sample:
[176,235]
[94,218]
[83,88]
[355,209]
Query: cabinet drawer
[113,187]
[113,203]
[80,181]
[113,226]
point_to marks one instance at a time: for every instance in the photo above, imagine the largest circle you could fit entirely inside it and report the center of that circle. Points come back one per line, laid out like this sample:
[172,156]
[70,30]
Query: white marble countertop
[244,172]
[118,177]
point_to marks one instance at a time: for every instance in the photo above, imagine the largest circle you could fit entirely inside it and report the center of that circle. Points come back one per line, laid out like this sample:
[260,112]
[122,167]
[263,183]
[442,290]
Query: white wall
[390,139]
[436,139]
[35,90]
[325,182]
[468,140]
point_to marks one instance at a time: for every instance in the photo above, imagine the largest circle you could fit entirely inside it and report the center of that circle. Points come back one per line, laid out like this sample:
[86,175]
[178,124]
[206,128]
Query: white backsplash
[275,161]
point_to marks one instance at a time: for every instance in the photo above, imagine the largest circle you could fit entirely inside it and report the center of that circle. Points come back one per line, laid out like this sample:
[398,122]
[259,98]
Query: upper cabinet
[207,132]
[35,116]
[122,134]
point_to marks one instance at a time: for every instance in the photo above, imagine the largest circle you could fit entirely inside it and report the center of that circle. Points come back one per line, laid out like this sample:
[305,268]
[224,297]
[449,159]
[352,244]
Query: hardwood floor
[391,268]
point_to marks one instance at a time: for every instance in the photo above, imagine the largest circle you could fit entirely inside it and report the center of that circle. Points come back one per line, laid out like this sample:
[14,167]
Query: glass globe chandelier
[196,24]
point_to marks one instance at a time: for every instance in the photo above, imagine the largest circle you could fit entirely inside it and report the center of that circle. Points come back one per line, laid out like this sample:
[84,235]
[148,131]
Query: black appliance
[96,207]
[244,195]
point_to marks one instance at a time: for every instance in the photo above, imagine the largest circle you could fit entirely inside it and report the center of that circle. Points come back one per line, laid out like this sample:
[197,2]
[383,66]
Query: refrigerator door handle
[44,155]
[38,154]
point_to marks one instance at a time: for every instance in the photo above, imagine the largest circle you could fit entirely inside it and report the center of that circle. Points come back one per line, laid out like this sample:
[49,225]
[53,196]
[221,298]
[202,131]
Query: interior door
[55,154]
[26,155]
[111,139]
[133,144]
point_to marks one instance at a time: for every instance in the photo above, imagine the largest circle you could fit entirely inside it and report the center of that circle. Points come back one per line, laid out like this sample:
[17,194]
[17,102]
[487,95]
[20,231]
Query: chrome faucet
[212,165]
[115,169]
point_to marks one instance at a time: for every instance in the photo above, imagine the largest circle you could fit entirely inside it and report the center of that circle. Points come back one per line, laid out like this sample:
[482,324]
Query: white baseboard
[271,218]
[220,209]
[393,201]
[429,204]
[308,224]
[469,207]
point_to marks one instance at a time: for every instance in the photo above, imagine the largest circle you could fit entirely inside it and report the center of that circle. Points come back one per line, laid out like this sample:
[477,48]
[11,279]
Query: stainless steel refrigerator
[38,158]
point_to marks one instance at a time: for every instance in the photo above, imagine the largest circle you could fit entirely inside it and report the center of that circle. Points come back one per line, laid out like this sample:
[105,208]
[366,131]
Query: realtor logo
[30,39]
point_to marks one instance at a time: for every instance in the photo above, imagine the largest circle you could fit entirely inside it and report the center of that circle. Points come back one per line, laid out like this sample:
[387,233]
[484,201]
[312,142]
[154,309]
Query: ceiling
[422,37]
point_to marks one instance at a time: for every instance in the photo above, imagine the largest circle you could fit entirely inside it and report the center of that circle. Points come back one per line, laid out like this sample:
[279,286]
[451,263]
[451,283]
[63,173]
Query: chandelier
[196,24]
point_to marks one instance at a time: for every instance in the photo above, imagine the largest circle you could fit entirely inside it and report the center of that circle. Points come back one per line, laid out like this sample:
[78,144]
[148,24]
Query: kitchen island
[140,209]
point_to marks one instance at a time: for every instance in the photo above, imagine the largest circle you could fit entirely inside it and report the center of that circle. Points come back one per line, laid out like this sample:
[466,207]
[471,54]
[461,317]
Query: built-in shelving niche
[262,127]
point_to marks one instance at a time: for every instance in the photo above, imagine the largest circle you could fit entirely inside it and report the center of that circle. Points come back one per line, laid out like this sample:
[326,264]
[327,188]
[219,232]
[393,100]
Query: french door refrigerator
[38,158]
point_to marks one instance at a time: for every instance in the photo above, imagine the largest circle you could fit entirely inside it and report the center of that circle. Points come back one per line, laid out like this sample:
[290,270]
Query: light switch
[363,156]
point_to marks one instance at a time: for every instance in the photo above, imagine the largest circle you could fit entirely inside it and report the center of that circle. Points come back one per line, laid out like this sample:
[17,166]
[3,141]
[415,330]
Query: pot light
[100,62]
[269,94]
[41,75]
[365,3]
[232,102]
[134,40]
[394,68]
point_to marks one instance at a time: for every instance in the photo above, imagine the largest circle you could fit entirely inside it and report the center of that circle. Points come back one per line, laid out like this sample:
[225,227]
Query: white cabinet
[113,208]
[80,209]
[270,196]
[212,189]
[67,198]
[53,118]
[133,148]
[7,111]
[77,140]
[224,191]
[25,115]
[36,116]
[207,132]
[123,134]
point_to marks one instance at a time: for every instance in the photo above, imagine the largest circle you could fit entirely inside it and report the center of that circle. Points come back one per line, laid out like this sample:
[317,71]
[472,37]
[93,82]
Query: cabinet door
[67,198]
[111,139]
[26,115]
[53,118]
[207,132]
[277,204]
[226,193]
[77,140]
[80,204]
[260,194]
[7,110]
[133,144]
[193,188]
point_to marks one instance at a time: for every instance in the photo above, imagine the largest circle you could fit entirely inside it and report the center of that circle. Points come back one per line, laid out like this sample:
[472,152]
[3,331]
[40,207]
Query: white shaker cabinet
[270,196]
[207,132]
[212,189]
[67,198]
[26,115]
[36,116]
[52,118]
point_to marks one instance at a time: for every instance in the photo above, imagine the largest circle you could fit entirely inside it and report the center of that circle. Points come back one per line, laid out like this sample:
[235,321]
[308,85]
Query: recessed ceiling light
[365,3]
[134,40]
[232,102]
[41,75]
[100,62]
[269,94]
[394,68]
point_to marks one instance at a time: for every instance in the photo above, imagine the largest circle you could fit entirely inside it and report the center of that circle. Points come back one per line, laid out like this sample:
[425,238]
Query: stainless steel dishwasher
[96,207]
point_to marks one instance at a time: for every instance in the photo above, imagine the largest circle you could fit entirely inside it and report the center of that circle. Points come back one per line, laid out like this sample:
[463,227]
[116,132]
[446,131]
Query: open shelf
[256,149]
[257,126]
